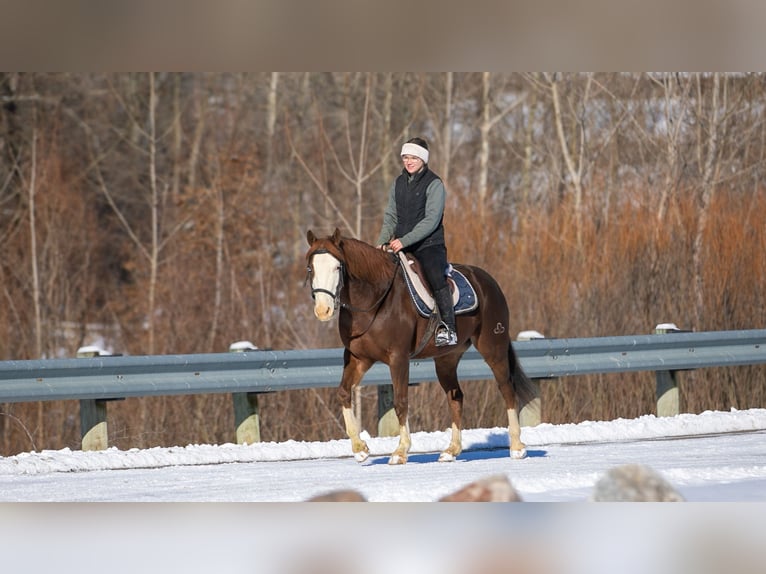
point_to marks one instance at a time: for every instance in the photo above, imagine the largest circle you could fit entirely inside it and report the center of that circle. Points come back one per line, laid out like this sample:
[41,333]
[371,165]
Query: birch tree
[33,257]
[708,184]
[155,197]
[350,157]
[676,101]
[574,157]
[490,116]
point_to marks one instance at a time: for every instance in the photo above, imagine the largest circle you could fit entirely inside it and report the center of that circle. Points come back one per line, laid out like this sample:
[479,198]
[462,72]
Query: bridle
[374,307]
[342,273]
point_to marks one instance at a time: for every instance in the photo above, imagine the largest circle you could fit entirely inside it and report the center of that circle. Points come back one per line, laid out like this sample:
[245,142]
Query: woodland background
[166,213]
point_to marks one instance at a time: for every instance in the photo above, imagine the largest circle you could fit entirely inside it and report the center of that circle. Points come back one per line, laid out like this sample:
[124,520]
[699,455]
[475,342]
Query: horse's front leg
[400,378]
[353,371]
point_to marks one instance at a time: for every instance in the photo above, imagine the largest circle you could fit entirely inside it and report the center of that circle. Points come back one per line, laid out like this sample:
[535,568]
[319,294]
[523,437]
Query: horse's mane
[366,262]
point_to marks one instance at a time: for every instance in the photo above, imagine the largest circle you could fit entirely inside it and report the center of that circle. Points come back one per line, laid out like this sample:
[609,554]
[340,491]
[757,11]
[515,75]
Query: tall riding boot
[445,333]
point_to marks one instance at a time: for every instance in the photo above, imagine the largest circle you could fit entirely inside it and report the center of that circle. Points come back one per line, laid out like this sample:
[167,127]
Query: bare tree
[156,199]
[489,118]
[708,184]
[353,165]
[170,190]
[676,91]
[573,159]
[271,119]
[33,255]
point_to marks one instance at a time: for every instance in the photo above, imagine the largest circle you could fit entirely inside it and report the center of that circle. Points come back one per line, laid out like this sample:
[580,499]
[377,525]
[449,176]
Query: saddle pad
[463,295]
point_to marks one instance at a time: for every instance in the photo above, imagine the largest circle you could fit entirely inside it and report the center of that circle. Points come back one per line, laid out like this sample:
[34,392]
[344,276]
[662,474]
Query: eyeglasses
[411,158]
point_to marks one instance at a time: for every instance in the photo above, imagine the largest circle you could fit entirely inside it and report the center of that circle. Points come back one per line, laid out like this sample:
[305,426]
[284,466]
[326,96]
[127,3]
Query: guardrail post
[246,412]
[531,413]
[93,429]
[93,424]
[388,423]
[667,381]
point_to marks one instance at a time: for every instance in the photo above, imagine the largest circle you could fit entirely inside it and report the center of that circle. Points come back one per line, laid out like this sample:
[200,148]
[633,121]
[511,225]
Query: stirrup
[445,336]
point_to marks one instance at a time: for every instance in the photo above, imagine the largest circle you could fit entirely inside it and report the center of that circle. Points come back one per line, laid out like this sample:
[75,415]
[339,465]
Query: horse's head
[325,267]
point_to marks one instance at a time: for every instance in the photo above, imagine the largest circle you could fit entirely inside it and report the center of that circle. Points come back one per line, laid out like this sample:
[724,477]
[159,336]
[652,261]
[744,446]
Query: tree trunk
[484,144]
[155,207]
[177,136]
[574,171]
[447,129]
[217,295]
[488,121]
[36,295]
[529,129]
[271,120]
[708,191]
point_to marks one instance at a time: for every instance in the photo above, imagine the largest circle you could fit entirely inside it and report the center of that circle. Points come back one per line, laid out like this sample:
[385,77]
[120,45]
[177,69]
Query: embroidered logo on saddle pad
[463,295]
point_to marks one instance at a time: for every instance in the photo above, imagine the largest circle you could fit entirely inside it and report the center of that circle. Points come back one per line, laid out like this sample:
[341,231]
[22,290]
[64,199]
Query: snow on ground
[710,456]
[713,456]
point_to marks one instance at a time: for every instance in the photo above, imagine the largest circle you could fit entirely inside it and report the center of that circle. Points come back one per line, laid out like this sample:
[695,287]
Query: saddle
[464,297]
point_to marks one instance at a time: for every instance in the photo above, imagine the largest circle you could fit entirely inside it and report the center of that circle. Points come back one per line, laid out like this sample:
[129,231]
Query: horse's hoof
[361,456]
[397,459]
[519,454]
[446,457]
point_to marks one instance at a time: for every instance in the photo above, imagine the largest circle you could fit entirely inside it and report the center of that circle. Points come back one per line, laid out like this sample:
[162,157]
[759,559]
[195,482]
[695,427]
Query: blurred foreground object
[634,483]
[495,488]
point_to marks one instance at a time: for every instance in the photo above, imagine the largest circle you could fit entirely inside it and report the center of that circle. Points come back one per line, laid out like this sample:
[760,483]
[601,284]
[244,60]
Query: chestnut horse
[378,321]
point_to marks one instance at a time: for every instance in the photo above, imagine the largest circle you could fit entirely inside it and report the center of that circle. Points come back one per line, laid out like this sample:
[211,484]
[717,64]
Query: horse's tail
[523,386]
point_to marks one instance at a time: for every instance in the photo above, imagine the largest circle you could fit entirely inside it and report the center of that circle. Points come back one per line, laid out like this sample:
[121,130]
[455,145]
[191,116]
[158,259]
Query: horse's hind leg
[353,371]
[497,357]
[518,448]
[446,372]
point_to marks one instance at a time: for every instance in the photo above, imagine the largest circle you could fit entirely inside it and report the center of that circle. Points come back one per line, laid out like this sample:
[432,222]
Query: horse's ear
[310,237]
[336,236]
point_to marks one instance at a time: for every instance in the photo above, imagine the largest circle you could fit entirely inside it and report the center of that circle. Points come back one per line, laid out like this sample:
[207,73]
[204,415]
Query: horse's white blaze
[326,275]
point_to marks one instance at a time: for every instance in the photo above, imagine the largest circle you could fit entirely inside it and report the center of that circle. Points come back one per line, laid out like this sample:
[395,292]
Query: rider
[413,222]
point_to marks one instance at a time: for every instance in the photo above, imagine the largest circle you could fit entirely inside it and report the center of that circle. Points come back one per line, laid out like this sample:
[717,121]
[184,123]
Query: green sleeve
[389,218]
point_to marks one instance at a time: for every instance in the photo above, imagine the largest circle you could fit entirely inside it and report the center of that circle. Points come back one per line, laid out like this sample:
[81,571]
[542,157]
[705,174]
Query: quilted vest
[411,207]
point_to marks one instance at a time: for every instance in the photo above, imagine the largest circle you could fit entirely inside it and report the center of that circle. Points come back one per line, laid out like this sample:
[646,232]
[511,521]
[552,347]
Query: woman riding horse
[414,223]
[377,321]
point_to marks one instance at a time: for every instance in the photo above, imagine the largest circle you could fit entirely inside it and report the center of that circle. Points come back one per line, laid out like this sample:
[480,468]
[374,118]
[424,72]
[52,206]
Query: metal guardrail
[111,377]
[108,377]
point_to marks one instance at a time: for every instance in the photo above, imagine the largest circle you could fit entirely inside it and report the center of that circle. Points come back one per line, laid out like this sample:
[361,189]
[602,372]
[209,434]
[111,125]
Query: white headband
[416,150]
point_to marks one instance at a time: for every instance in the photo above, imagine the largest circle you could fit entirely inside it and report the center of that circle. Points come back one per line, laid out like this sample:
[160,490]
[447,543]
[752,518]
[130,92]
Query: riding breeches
[433,261]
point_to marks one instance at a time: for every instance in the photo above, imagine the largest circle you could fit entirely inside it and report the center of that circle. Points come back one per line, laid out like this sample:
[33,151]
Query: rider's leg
[433,260]
[448,335]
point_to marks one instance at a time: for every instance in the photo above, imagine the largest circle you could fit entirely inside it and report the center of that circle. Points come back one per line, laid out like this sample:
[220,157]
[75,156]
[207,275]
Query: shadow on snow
[469,455]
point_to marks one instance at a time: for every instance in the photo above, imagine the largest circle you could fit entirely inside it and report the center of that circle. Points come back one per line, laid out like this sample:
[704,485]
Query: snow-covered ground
[714,456]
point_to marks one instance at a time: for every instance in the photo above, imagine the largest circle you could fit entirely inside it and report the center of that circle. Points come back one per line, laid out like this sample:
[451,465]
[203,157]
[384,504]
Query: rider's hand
[395,245]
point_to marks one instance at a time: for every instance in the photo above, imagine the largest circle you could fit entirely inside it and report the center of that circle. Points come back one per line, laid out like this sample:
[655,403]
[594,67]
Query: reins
[378,302]
[336,296]
[432,321]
